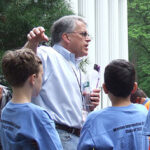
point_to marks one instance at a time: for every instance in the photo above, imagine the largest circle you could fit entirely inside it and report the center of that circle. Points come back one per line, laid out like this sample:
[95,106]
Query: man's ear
[105,89]
[134,87]
[66,38]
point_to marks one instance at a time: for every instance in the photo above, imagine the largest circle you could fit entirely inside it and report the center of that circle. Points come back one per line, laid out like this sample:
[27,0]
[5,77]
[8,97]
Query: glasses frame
[83,34]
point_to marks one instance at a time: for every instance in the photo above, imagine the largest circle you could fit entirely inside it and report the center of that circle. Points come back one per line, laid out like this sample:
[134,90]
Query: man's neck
[67,47]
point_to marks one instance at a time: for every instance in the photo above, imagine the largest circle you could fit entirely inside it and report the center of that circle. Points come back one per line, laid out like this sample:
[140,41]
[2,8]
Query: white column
[111,35]
[118,29]
[102,41]
[113,29]
[123,29]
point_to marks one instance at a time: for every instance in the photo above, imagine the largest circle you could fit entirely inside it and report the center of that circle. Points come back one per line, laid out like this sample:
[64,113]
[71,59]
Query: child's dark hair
[119,77]
[18,65]
[138,94]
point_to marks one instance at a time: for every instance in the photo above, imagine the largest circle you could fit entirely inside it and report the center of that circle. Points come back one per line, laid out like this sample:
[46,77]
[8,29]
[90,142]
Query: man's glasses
[83,34]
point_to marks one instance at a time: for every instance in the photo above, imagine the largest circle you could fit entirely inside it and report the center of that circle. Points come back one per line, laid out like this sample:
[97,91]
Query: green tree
[139,40]
[18,17]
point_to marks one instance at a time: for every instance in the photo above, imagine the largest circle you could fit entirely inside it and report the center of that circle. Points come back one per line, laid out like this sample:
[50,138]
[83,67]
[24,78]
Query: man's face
[79,40]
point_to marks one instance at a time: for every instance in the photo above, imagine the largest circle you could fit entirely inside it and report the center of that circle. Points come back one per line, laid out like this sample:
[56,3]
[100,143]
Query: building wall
[107,23]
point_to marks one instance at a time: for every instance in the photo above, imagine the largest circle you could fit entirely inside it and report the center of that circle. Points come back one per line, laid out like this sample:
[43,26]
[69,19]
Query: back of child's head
[119,78]
[18,65]
[138,94]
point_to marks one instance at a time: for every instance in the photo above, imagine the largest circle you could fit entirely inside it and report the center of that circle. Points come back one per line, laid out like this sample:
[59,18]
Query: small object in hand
[97,67]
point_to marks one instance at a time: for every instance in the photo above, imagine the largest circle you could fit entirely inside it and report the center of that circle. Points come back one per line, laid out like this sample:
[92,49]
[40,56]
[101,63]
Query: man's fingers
[41,29]
[37,34]
[95,99]
[96,95]
[45,37]
[96,90]
[38,30]
[95,104]
[29,37]
[32,34]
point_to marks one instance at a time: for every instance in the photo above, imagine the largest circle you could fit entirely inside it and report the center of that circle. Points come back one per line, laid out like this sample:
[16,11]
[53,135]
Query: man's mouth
[86,47]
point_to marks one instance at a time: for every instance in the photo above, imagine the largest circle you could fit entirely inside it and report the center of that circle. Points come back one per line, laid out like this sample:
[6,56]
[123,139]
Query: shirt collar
[67,54]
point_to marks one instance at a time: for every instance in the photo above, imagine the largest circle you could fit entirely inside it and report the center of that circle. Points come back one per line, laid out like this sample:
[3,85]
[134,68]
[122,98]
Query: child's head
[19,65]
[119,78]
[138,96]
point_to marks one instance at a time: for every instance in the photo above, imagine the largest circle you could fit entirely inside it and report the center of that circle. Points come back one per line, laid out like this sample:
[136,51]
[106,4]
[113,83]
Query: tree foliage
[18,17]
[139,40]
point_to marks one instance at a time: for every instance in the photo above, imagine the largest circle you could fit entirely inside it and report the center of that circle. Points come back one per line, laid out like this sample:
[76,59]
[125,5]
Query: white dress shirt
[60,94]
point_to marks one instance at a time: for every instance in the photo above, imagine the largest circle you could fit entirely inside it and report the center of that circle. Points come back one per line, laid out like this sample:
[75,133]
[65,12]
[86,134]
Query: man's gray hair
[65,24]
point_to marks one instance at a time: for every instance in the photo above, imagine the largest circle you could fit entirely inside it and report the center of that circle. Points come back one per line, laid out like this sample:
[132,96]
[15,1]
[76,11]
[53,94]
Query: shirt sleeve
[46,58]
[146,128]
[85,141]
[49,138]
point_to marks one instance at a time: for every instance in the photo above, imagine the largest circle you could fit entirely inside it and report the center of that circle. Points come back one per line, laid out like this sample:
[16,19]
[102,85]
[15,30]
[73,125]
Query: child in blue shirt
[23,125]
[118,127]
[140,97]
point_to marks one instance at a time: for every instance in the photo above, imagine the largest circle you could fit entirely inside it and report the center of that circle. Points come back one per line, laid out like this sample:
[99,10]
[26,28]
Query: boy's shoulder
[140,108]
[112,113]
[28,109]
[36,109]
[97,115]
[41,114]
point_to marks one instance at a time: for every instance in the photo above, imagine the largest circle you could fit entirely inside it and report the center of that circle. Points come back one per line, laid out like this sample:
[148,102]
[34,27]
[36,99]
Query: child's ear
[105,89]
[134,87]
[32,79]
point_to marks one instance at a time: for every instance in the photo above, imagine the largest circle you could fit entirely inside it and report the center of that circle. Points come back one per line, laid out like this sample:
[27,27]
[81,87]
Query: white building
[107,23]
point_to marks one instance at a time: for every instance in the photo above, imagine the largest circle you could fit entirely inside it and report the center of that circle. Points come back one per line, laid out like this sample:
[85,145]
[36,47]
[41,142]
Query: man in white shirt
[61,94]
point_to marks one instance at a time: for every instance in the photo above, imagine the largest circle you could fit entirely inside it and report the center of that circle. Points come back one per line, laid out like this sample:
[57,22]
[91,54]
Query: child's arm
[48,134]
[85,141]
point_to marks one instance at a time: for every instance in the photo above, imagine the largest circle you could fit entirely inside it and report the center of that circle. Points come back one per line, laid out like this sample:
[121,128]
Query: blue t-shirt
[23,125]
[146,129]
[115,128]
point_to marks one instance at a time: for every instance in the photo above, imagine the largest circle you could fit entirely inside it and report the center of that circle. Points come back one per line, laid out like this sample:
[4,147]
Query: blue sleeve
[49,137]
[85,141]
[146,128]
